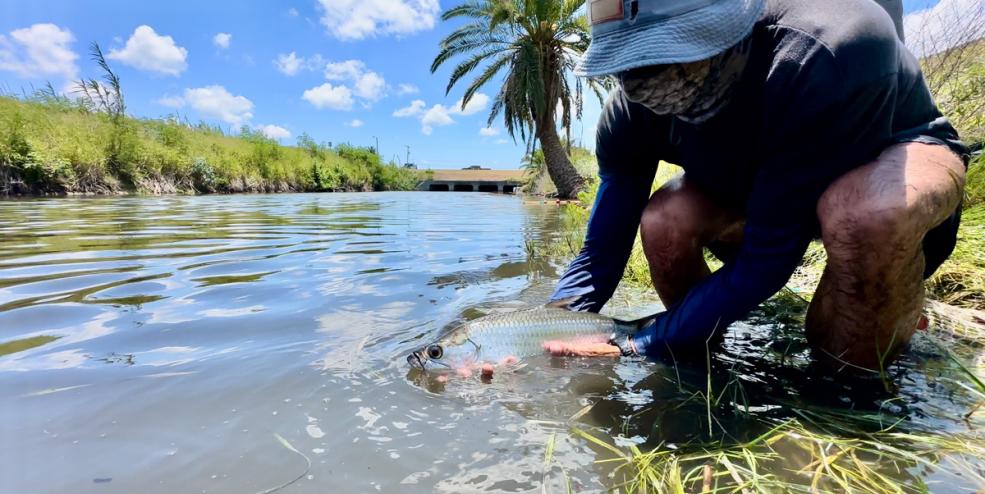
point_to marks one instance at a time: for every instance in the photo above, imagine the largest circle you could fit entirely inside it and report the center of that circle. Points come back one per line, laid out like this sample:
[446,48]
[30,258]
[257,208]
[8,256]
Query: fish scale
[518,334]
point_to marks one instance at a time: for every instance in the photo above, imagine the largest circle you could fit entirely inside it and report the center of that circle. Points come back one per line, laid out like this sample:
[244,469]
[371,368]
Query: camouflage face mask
[693,91]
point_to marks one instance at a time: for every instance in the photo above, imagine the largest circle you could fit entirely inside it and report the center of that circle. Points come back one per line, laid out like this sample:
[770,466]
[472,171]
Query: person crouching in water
[792,120]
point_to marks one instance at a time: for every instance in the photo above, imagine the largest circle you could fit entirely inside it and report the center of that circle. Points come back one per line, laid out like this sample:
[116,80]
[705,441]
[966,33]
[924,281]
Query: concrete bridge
[505,181]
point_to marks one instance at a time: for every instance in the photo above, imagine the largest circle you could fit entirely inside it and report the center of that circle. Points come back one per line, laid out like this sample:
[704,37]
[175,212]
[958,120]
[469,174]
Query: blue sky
[340,70]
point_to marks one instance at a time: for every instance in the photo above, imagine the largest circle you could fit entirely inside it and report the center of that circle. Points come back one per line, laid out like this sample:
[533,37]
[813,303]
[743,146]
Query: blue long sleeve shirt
[828,86]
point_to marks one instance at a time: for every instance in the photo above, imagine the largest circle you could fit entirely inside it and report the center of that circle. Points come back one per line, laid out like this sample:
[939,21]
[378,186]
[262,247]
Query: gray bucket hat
[627,34]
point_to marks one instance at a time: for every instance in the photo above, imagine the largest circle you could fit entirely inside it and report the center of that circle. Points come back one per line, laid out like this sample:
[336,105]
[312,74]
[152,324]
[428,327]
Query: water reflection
[164,344]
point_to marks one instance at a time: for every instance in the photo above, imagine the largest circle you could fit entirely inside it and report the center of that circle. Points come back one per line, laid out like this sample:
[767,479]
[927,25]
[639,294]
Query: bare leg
[677,224]
[873,221]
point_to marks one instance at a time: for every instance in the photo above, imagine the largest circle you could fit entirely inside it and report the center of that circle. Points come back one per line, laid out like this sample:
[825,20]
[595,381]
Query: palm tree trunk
[559,167]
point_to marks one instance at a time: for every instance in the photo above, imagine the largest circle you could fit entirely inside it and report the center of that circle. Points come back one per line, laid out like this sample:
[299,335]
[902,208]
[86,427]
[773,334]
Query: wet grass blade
[549,452]
[581,413]
[598,442]
[307,466]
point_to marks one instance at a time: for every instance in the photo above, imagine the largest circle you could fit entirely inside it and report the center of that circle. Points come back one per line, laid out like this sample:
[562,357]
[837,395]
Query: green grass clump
[50,144]
[975,182]
[795,457]
[961,280]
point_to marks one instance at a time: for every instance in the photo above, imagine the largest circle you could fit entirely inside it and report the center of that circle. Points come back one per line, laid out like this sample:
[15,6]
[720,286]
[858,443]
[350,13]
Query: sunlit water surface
[154,344]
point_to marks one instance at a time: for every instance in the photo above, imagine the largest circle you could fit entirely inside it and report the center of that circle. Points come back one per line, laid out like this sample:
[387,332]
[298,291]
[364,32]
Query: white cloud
[293,12]
[329,96]
[172,101]
[404,89]
[216,102]
[370,86]
[39,50]
[441,115]
[502,141]
[274,131]
[489,131]
[366,84]
[355,123]
[415,108]
[314,62]
[221,40]
[357,19]
[146,50]
[344,71]
[947,24]
[436,116]
[289,64]
[475,105]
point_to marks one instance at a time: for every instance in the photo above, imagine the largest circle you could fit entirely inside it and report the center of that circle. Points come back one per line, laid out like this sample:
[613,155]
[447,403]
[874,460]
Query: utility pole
[377,145]
[408,155]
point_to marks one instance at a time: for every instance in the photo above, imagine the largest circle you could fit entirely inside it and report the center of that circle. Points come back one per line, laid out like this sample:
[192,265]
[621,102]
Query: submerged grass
[799,445]
[807,448]
[795,456]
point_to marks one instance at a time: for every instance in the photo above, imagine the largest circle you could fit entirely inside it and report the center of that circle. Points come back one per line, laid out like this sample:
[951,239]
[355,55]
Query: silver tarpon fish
[496,337]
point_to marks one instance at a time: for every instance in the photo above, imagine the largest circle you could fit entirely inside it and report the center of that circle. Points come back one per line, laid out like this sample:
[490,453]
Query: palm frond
[468,66]
[464,45]
[475,9]
[491,70]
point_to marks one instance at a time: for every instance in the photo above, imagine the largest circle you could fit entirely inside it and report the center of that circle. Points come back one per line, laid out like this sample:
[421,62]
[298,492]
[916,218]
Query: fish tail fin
[636,324]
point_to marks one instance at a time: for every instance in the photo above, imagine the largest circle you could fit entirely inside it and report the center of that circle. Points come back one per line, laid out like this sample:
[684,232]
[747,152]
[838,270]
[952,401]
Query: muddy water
[220,344]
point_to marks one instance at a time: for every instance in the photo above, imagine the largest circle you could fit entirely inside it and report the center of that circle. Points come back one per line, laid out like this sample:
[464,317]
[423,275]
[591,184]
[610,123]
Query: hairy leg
[873,221]
[678,223]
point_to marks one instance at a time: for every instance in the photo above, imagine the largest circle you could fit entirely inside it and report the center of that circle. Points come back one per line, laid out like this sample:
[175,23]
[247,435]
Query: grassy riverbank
[53,145]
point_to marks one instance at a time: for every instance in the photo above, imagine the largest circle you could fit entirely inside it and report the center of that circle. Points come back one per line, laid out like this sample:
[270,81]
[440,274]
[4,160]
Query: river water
[221,343]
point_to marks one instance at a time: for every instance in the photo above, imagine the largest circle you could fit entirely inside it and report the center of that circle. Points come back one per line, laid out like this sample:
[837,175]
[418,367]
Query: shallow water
[167,345]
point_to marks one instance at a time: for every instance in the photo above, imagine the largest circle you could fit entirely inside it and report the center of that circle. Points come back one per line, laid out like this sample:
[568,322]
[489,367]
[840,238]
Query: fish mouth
[415,360]
[420,360]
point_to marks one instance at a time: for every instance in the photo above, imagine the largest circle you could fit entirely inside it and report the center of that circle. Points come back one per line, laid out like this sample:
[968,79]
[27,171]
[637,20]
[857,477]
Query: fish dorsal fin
[561,303]
[565,303]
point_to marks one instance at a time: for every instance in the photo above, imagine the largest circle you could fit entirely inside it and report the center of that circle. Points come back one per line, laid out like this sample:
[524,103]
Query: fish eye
[435,352]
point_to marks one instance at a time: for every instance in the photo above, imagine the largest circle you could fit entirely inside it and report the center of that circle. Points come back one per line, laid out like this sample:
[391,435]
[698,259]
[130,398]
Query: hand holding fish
[485,369]
[581,348]
[493,341]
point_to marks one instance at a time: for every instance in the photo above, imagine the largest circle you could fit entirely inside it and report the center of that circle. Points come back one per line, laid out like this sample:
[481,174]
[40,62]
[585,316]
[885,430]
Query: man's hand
[557,348]
[560,348]
[484,369]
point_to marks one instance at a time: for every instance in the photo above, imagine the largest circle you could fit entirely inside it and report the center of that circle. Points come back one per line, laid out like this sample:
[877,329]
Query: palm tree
[537,43]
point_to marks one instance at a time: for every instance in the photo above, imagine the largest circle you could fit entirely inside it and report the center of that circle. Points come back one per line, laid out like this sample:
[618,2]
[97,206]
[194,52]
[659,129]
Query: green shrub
[53,145]
[14,147]
[172,135]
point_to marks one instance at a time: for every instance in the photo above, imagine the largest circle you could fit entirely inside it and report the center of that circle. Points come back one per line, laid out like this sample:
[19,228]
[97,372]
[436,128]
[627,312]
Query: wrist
[641,341]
